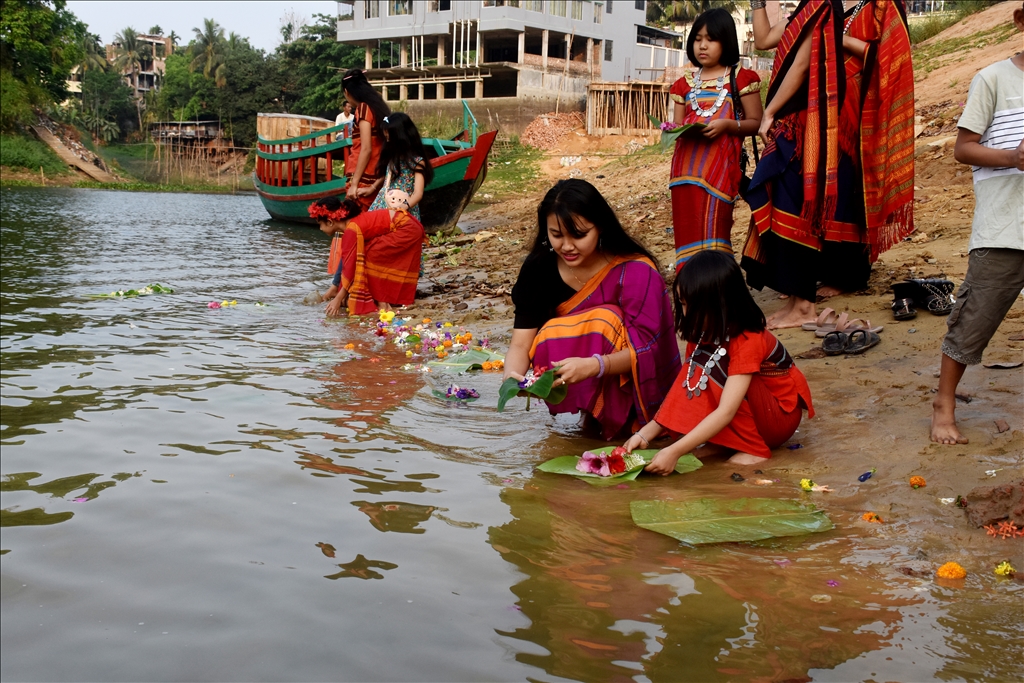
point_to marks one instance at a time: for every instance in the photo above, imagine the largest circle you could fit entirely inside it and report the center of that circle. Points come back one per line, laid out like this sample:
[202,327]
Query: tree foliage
[316,62]
[208,52]
[39,45]
[666,12]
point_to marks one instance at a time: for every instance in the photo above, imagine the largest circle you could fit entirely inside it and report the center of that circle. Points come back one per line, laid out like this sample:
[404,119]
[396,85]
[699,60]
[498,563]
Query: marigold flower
[806,484]
[498,364]
[408,354]
[350,346]
[917,482]
[447,325]
[447,343]
[486,365]
[468,335]
[872,517]
[951,570]
[1005,569]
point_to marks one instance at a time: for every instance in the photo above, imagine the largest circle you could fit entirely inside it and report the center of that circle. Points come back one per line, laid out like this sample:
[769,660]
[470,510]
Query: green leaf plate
[154,288]
[567,465]
[466,361]
[544,388]
[708,520]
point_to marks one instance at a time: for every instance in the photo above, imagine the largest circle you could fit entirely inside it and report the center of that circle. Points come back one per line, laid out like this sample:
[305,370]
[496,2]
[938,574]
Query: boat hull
[457,177]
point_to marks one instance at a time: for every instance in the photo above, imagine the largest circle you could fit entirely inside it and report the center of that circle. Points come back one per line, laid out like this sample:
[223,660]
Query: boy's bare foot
[944,429]
[746,459]
[826,291]
[795,313]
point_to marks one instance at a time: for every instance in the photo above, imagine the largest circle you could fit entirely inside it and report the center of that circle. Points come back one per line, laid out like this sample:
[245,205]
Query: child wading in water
[705,178]
[738,387]
[403,163]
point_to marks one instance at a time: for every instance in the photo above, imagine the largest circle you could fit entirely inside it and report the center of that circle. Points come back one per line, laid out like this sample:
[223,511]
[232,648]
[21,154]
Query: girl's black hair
[402,147]
[354,83]
[718,303]
[574,198]
[332,204]
[721,28]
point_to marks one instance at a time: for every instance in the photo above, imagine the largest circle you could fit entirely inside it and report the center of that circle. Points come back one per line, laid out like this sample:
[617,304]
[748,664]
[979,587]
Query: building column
[479,45]
[544,49]
[479,91]
[568,46]
[458,90]
[521,54]
[440,50]
[403,54]
[590,53]
[368,62]
[403,92]
[384,91]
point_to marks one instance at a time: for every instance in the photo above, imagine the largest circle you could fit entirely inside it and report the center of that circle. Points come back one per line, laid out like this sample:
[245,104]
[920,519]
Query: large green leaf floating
[154,288]
[544,388]
[473,359]
[708,520]
[567,465]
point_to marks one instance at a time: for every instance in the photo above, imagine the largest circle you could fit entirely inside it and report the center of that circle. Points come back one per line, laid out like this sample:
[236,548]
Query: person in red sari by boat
[375,256]
[739,389]
[834,188]
[591,304]
[361,164]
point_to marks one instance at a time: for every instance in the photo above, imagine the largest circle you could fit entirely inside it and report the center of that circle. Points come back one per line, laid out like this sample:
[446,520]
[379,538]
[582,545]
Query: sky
[260,22]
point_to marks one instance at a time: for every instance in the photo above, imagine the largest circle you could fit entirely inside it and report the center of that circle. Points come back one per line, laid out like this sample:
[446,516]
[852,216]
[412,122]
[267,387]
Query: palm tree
[174,39]
[208,52]
[683,11]
[131,53]
[156,31]
[93,54]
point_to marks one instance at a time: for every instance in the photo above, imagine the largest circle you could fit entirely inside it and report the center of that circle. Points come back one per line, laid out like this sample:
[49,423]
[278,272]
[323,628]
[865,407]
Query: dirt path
[93,171]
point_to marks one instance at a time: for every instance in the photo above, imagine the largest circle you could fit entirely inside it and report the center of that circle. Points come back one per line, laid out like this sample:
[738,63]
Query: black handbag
[737,108]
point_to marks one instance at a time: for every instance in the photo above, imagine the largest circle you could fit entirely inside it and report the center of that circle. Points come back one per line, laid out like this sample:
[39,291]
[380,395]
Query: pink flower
[213,304]
[592,463]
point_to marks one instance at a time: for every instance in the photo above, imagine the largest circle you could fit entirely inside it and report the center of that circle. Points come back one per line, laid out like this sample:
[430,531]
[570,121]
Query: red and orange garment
[381,260]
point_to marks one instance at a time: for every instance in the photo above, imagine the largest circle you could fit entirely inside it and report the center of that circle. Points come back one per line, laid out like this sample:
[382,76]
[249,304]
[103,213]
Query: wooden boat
[295,157]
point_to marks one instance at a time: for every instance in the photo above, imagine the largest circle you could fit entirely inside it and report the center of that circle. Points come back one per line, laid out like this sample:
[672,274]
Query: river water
[199,494]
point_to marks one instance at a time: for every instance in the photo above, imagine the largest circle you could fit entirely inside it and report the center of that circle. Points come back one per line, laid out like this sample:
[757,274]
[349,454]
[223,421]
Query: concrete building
[151,72]
[527,50]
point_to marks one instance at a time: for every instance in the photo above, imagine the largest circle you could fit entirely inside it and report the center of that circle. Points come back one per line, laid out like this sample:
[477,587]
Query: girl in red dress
[705,176]
[738,388]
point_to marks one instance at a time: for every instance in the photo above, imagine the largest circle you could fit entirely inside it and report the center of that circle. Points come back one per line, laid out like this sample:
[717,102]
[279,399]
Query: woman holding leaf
[719,105]
[591,305]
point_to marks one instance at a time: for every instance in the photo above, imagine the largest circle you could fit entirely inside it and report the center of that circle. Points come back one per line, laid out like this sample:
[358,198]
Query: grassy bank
[24,152]
[513,168]
[68,181]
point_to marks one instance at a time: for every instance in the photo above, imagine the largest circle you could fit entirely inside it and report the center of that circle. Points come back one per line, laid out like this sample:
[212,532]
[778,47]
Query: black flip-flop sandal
[860,341]
[903,309]
[835,343]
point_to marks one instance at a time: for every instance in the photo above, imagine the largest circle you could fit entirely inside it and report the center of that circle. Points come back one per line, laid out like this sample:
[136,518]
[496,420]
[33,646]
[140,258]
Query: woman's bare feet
[746,459]
[826,291]
[794,313]
[944,429]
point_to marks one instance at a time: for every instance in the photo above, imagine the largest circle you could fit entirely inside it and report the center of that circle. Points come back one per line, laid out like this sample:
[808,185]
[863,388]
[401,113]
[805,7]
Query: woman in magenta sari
[591,304]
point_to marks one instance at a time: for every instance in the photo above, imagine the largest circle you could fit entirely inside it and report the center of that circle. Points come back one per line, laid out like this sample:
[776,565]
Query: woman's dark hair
[718,303]
[403,147]
[722,29]
[574,198]
[355,86]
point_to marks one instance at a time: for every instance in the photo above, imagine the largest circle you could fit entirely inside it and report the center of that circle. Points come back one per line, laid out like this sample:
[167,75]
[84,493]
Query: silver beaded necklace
[702,383]
[692,95]
[856,11]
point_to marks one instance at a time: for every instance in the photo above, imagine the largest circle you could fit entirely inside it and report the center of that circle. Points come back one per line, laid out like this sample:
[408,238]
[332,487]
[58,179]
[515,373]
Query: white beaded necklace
[692,95]
[702,383]
[856,11]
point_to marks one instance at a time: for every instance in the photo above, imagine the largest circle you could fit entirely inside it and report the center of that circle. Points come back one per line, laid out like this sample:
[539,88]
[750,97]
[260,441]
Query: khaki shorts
[993,282]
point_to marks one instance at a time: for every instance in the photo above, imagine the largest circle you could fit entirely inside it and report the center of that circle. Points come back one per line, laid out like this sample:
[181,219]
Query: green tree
[108,107]
[130,52]
[39,45]
[665,12]
[208,52]
[174,39]
[93,55]
[314,65]
[156,30]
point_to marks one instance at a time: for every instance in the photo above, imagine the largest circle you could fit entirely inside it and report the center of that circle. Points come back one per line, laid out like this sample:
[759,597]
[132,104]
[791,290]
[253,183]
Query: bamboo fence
[622,108]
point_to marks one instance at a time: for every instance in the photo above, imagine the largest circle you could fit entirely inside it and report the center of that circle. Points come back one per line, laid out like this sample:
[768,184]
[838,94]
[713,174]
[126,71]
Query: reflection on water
[177,482]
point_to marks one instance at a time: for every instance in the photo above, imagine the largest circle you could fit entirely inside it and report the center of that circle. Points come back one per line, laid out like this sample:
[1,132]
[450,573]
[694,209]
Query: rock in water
[312,299]
[988,504]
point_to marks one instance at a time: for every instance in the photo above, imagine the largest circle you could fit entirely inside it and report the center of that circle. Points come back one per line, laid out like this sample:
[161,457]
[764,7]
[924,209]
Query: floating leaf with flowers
[154,288]
[611,465]
[457,393]
[467,361]
[712,520]
[541,386]
[670,131]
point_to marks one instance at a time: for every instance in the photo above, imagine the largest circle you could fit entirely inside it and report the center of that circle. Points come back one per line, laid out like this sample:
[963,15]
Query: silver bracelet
[758,4]
[646,442]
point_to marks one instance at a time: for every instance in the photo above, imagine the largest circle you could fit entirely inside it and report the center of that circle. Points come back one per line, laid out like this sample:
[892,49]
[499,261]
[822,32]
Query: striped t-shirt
[995,110]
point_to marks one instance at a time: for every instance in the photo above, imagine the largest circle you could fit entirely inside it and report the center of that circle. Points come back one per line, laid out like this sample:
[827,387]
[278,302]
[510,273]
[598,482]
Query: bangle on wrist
[758,4]
[600,364]
[646,442]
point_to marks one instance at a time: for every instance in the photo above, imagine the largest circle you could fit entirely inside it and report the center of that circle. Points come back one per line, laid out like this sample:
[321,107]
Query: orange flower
[426,321]
[1007,530]
[468,336]
[350,346]
[951,570]
[917,482]
[447,343]
[498,364]
[872,517]
[486,365]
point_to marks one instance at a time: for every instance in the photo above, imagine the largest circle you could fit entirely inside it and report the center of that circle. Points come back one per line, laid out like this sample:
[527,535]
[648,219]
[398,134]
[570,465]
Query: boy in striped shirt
[991,139]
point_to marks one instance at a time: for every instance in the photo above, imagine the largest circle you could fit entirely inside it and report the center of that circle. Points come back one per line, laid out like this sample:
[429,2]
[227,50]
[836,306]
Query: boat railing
[297,161]
[467,120]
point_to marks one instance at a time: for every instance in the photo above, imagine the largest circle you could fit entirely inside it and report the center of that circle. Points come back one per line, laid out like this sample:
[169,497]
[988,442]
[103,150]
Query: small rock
[912,330]
[988,504]
[1001,426]
[736,476]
